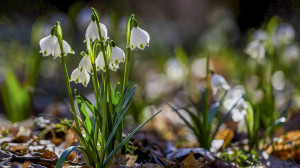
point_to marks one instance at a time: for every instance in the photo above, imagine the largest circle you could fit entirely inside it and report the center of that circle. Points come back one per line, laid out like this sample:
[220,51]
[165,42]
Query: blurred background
[182,33]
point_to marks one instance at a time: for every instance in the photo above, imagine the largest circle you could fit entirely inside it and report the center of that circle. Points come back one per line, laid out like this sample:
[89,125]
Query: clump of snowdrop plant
[101,137]
[201,121]
[266,43]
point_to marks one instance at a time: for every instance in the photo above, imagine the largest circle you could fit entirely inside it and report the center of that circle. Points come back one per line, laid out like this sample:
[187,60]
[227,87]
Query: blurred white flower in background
[235,97]
[218,82]
[256,49]
[284,34]
[278,80]
[139,38]
[291,52]
[198,67]
[259,35]
[175,71]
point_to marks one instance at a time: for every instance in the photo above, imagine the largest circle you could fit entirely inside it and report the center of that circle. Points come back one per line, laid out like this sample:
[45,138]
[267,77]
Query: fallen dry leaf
[190,161]
[286,146]
[226,135]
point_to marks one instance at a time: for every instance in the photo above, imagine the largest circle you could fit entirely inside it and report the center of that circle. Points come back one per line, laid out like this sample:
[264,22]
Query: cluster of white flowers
[50,45]
[284,34]
[234,100]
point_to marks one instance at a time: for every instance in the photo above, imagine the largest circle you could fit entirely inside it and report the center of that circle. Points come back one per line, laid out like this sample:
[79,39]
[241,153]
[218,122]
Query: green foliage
[16,99]
[240,157]
[204,134]
[101,136]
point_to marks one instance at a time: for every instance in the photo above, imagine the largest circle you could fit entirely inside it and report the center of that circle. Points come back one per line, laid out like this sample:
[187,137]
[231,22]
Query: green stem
[127,56]
[68,85]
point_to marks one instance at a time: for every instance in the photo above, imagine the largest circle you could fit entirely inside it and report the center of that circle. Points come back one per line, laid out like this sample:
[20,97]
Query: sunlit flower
[139,38]
[49,45]
[92,32]
[284,34]
[82,77]
[218,82]
[86,64]
[100,63]
[117,55]
[256,49]
[235,102]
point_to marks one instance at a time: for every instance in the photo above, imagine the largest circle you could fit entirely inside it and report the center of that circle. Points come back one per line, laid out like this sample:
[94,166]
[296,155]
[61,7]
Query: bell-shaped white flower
[75,75]
[284,34]
[236,103]
[218,82]
[82,77]
[259,35]
[113,67]
[139,38]
[49,45]
[92,32]
[256,49]
[86,64]
[100,62]
[117,55]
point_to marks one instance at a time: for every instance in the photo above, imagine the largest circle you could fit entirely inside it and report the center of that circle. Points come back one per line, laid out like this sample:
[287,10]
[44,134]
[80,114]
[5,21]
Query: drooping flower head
[82,77]
[139,38]
[100,62]
[86,64]
[218,82]
[50,45]
[284,34]
[92,32]
[117,55]
[234,101]
[256,49]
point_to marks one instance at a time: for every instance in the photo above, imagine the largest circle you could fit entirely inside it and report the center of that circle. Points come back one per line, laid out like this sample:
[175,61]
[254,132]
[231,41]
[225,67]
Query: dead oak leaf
[190,161]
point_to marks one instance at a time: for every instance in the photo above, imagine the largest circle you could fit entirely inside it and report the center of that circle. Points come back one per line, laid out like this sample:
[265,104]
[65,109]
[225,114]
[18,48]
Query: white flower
[291,52]
[256,49]
[113,66]
[82,77]
[117,55]
[86,64]
[284,34]
[92,32]
[49,45]
[238,115]
[234,100]
[259,35]
[218,81]
[100,63]
[139,38]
